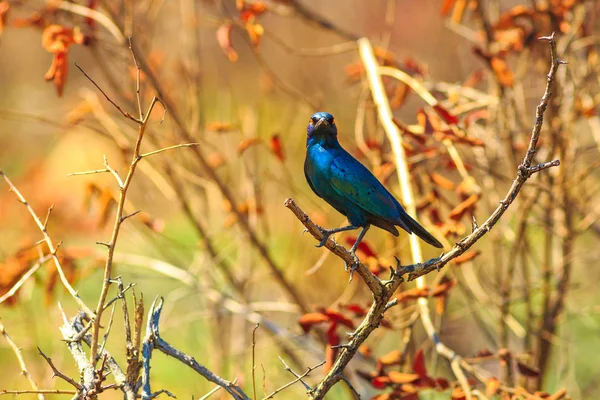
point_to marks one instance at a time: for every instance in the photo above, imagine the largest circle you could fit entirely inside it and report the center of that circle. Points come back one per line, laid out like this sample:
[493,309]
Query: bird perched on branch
[349,187]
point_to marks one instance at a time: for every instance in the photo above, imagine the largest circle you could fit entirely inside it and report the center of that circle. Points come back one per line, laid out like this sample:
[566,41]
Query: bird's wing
[356,183]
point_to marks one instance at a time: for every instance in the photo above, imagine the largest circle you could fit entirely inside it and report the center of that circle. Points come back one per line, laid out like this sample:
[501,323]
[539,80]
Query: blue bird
[349,187]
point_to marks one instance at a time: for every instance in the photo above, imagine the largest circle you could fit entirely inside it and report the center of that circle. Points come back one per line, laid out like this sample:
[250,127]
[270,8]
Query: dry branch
[383,291]
[154,341]
[21,360]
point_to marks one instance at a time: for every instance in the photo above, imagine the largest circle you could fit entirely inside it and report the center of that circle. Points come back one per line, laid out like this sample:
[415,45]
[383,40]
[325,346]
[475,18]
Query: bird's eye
[313,120]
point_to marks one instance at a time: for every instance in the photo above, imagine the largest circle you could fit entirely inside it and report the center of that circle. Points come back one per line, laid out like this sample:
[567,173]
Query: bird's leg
[328,232]
[360,237]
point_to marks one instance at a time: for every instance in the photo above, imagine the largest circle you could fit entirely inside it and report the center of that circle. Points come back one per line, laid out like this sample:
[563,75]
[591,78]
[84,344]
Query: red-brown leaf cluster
[248,13]
[333,319]
[16,265]
[102,201]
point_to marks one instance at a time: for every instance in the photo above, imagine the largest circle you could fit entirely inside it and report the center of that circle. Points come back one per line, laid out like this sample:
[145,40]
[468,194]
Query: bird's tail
[420,231]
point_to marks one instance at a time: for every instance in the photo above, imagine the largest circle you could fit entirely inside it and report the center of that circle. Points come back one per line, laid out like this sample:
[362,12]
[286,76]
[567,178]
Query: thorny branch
[383,290]
[154,341]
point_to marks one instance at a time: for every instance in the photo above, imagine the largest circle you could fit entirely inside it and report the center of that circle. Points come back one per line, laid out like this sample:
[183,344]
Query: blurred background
[242,79]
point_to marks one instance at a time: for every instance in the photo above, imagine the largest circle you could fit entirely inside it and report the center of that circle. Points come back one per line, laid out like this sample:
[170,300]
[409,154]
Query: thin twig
[96,171]
[124,113]
[298,379]
[291,371]
[24,278]
[253,361]
[352,388]
[177,146]
[58,373]
[50,244]
[40,392]
[21,360]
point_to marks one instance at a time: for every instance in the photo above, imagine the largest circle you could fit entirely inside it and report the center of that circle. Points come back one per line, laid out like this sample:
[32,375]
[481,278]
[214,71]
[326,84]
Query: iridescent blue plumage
[349,187]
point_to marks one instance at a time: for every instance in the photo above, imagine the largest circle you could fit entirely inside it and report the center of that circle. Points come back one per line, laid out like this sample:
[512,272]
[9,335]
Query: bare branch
[58,373]
[96,171]
[287,368]
[40,392]
[21,360]
[124,113]
[50,244]
[371,280]
[298,379]
[24,278]
[154,341]
[177,146]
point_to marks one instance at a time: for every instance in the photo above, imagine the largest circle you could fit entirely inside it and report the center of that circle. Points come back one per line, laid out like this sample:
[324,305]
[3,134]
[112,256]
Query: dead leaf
[503,73]
[4,7]
[491,386]
[463,207]
[246,144]
[57,39]
[307,321]
[419,364]
[442,181]
[392,358]
[224,41]
[277,147]
[465,257]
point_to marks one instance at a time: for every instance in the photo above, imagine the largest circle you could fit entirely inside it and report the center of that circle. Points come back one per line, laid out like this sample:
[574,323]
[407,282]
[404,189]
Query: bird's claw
[352,267]
[326,235]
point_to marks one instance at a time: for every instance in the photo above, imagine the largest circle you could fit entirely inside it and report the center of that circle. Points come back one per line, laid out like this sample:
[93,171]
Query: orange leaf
[419,364]
[442,181]
[333,339]
[459,10]
[4,6]
[220,127]
[466,256]
[247,143]
[467,205]
[503,73]
[306,321]
[255,32]
[224,40]
[338,317]
[412,294]
[365,350]
[330,355]
[57,39]
[446,7]
[443,288]
[380,382]
[277,147]
[215,160]
[357,309]
[249,12]
[491,386]
[400,377]
[392,358]
[458,394]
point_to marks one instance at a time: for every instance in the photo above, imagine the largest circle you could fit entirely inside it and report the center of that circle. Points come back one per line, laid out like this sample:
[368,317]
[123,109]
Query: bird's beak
[322,121]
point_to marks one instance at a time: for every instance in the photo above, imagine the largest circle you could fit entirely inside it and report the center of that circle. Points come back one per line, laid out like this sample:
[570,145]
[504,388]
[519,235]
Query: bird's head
[321,123]
[321,127]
